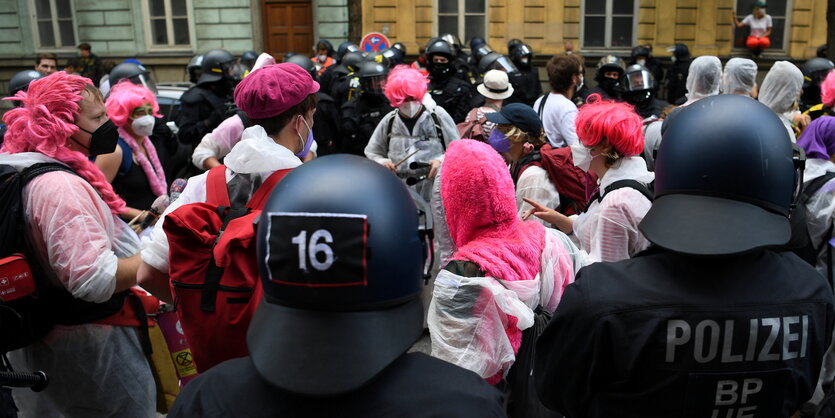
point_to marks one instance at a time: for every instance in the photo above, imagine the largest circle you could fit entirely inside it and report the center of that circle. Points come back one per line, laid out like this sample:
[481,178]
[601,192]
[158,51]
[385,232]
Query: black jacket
[415,385]
[360,117]
[202,110]
[326,125]
[665,335]
[454,95]
[526,86]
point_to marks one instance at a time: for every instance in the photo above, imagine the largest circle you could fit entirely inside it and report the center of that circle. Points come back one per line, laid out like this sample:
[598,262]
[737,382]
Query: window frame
[462,5]
[36,36]
[169,28]
[770,51]
[607,36]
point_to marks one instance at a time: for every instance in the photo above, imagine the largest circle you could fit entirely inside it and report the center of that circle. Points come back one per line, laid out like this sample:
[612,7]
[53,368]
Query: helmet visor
[639,80]
[505,64]
[145,80]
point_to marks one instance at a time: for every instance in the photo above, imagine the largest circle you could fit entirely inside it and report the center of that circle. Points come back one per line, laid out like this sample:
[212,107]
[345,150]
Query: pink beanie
[274,89]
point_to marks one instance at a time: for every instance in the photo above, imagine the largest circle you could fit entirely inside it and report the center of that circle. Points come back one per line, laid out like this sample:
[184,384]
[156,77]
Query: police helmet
[440,47]
[341,260]
[216,66]
[379,57]
[453,41]
[343,49]
[136,73]
[640,51]
[194,68]
[248,58]
[520,52]
[512,44]
[723,184]
[352,60]
[822,51]
[481,51]
[610,63]
[638,78]
[21,80]
[393,55]
[304,62]
[496,61]
[399,46]
[815,70]
[680,51]
[476,41]
[371,69]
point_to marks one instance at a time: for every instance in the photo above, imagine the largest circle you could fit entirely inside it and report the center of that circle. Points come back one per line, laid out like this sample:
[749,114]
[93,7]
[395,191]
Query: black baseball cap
[519,115]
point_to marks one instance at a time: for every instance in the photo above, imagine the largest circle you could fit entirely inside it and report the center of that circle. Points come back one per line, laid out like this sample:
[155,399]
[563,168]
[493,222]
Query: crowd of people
[581,252]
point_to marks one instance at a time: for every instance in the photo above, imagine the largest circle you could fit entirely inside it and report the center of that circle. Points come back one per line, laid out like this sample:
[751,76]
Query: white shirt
[758,26]
[558,119]
[535,184]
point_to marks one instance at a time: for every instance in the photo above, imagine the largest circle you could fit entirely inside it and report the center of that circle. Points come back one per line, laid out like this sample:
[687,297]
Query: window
[54,24]
[777,9]
[169,23]
[463,18]
[608,23]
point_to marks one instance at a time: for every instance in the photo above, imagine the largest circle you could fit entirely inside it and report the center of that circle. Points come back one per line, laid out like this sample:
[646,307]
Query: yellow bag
[165,375]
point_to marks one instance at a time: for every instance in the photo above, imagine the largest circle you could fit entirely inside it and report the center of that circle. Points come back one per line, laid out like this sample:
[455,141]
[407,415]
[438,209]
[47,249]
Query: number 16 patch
[317,249]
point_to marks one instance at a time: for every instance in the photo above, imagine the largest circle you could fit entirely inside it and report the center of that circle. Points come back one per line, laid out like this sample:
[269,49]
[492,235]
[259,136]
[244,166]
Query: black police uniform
[650,108]
[203,109]
[676,81]
[665,335]
[454,95]
[360,117]
[414,385]
[331,74]
[326,125]
[526,86]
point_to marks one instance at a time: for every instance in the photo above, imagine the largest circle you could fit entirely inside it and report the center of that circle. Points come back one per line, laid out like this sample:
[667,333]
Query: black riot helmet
[475,42]
[680,51]
[815,71]
[21,80]
[352,61]
[512,44]
[343,49]
[217,65]
[137,74]
[372,77]
[248,59]
[399,46]
[640,51]
[723,187]
[638,83]
[304,62]
[394,56]
[341,261]
[440,71]
[522,55]
[496,61]
[194,68]
[453,41]
[481,51]
[607,64]
[440,47]
[380,57]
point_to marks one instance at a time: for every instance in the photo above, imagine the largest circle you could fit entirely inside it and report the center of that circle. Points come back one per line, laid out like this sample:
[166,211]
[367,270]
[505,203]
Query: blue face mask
[307,144]
[498,141]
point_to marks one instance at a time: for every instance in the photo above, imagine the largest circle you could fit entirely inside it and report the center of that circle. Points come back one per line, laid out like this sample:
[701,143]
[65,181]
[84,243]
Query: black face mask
[640,98]
[440,70]
[610,86]
[103,140]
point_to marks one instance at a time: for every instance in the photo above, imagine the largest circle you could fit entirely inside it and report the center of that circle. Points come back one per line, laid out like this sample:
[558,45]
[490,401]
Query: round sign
[374,41]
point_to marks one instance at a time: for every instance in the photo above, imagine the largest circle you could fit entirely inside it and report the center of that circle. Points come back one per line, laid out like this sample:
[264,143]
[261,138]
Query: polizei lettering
[757,339]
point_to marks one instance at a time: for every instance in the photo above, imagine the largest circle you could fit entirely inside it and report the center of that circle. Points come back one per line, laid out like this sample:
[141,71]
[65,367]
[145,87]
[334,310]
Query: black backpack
[647,190]
[27,319]
[801,241]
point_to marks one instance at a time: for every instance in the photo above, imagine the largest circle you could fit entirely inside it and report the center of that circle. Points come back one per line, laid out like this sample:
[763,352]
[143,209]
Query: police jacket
[526,86]
[202,110]
[415,385]
[326,125]
[665,335]
[454,95]
[360,117]
[676,81]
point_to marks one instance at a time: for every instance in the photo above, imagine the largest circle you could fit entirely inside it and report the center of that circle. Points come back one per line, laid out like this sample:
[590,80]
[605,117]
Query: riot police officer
[676,81]
[814,72]
[194,68]
[362,114]
[136,73]
[526,86]
[639,91]
[207,104]
[341,259]
[609,74]
[344,78]
[712,321]
[450,92]
[459,58]
[341,67]
[642,55]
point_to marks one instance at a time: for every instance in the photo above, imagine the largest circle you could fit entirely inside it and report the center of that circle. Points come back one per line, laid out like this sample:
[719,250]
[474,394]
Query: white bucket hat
[495,85]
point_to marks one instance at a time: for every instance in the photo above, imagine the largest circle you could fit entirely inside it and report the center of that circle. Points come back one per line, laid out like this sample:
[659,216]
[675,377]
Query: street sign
[374,41]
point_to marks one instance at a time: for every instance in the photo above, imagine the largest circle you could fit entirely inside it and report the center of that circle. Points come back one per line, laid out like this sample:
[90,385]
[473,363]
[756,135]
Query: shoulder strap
[29,173]
[390,127]
[542,104]
[127,157]
[260,196]
[633,184]
[815,185]
[216,191]
[438,130]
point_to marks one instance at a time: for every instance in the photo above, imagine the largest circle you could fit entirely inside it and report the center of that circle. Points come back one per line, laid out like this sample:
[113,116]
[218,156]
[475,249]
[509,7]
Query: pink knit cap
[274,89]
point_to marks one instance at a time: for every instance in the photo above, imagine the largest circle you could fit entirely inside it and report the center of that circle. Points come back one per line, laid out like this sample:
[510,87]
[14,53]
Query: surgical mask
[305,144]
[641,62]
[143,125]
[103,140]
[498,140]
[524,61]
[582,156]
[322,58]
[410,109]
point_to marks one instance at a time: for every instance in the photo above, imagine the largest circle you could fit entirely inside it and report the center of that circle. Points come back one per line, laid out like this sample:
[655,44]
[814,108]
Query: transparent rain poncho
[739,77]
[608,230]
[781,87]
[704,77]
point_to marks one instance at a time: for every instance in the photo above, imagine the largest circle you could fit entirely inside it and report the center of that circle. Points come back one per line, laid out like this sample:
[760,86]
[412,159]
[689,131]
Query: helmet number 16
[313,248]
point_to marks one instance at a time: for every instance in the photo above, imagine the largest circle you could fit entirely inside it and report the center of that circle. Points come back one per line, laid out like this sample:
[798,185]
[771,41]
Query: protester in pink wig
[405,84]
[611,141]
[502,268]
[86,253]
[828,90]
[139,179]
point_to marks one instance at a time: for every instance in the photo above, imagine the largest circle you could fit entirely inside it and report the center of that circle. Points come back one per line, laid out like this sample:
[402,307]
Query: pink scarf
[153,169]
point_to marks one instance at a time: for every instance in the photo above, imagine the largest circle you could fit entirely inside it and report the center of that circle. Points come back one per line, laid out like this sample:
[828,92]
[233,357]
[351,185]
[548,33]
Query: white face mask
[143,125]
[524,61]
[322,58]
[582,156]
[410,109]
[641,62]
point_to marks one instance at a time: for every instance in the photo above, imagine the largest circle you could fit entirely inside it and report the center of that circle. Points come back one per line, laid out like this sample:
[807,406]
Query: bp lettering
[733,340]
[732,396]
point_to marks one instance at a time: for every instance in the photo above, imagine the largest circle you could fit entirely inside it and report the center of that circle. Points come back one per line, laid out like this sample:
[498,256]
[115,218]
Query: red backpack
[213,269]
[575,186]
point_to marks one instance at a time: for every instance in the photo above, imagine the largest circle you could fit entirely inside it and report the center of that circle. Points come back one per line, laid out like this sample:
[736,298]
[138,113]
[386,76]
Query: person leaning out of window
[760,24]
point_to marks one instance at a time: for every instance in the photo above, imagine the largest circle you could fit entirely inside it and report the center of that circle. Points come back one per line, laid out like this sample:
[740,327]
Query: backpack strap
[29,173]
[127,157]
[438,130]
[390,128]
[633,184]
[544,98]
[815,185]
[216,191]
[259,198]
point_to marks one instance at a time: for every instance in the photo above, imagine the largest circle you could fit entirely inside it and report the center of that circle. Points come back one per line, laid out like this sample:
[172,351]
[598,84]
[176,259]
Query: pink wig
[601,120]
[828,90]
[405,83]
[46,121]
[124,98]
